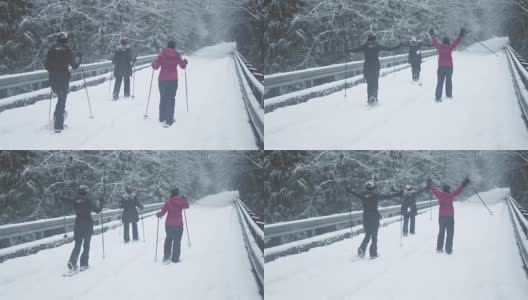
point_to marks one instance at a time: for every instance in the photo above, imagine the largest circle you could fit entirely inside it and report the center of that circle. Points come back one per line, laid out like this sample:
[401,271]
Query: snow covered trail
[484,113]
[485,263]
[217,117]
[215,267]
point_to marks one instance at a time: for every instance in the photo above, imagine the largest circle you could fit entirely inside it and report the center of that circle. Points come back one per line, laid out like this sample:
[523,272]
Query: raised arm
[163,210]
[357,49]
[74,63]
[456,42]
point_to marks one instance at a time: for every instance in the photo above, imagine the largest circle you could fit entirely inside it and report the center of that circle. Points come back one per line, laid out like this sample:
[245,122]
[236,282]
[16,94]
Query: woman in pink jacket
[169,60]
[173,225]
[445,63]
[446,214]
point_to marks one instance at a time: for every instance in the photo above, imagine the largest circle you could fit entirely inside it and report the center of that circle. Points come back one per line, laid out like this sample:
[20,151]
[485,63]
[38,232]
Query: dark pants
[167,90]
[416,68]
[172,242]
[371,226]
[406,218]
[444,74]
[117,85]
[446,224]
[371,74]
[126,232]
[82,234]
[60,84]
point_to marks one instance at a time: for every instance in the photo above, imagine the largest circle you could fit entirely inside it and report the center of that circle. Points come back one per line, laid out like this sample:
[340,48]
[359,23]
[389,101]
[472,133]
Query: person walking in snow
[129,204]
[83,230]
[58,59]
[169,60]
[445,63]
[371,216]
[173,225]
[415,57]
[408,208]
[123,61]
[446,215]
[371,66]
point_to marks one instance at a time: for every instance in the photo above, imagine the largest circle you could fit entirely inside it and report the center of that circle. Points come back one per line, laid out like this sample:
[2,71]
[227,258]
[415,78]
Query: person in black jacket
[58,59]
[408,207]
[371,216]
[371,66]
[123,61]
[415,57]
[83,229]
[129,202]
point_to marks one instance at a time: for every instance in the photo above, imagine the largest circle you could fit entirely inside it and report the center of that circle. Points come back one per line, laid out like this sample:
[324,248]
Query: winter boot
[438,99]
[83,268]
[360,252]
[116,97]
[72,267]
[440,250]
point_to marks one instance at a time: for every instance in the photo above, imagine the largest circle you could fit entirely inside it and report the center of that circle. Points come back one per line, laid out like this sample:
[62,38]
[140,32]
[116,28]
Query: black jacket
[59,58]
[123,61]
[129,202]
[83,207]
[370,200]
[371,50]
[415,53]
[408,206]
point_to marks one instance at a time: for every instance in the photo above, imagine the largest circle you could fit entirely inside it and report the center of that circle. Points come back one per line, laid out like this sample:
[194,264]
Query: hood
[176,200]
[169,53]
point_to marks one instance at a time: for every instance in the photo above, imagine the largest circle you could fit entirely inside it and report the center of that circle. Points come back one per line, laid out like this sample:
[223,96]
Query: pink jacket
[174,207]
[169,60]
[446,200]
[444,51]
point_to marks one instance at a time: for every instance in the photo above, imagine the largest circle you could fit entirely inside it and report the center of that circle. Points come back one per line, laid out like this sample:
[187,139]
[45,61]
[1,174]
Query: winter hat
[123,40]
[413,39]
[171,44]
[175,192]
[369,185]
[129,189]
[371,37]
[446,188]
[408,187]
[445,40]
[62,37]
[83,190]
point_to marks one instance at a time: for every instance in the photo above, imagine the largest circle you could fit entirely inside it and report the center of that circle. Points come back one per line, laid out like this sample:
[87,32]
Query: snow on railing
[276,233]
[13,84]
[10,234]
[282,86]
[519,69]
[253,93]
[519,217]
[254,239]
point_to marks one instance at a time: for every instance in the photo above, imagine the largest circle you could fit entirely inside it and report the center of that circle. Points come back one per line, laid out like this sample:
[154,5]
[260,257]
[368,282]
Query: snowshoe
[439,251]
[360,253]
[83,268]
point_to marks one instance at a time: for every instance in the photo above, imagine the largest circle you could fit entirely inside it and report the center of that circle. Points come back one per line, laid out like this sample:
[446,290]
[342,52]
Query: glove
[185,61]
[431,31]
[134,60]
[466,182]
[429,182]
[157,215]
[462,31]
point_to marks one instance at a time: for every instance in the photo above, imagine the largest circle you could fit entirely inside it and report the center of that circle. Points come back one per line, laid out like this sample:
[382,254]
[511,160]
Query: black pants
[172,242]
[60,85]
[167,90]
[371,73]
[126,231]
[371,226]
[416,68]
[117,85]
[444,74]
[446,224]
[82,234]
[406,218]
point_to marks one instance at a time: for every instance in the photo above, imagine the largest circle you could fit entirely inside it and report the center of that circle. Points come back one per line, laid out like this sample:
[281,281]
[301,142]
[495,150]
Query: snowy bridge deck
[215,267]
[217,119]
[483,114]
[485,263]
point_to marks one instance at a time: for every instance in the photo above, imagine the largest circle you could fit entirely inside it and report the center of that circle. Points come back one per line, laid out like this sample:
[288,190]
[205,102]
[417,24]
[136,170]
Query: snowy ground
[485,263]
[215,267]
[217,117]
[483,114]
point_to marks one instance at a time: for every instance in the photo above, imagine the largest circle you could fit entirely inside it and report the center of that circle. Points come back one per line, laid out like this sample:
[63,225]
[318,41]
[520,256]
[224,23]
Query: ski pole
[49,110]
[157,232]
[401,230]
[102,230]
[148,99]
[430,209]
[482,44]
[133,80]
[64,220]
[187,228]
[351,224]
[186,96]
[490,212]
[87,96]
[143,225]
[345,77]
[110,85]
